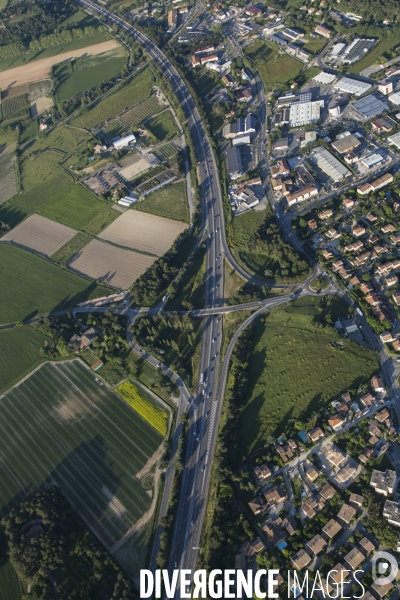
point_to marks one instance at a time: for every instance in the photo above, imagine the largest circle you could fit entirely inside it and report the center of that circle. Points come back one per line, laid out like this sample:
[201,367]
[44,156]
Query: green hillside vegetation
[137,90]
[295,370]
[257,242]
[37,286]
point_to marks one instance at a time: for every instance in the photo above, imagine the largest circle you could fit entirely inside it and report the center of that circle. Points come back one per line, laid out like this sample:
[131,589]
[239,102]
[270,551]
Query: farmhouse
[82,342]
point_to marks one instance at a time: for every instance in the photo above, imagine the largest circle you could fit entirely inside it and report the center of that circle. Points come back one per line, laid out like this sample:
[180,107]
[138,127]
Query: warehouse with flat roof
[330,165]
[372,160]
[352,86]
[370,107]
[356,50]
[346,144]
[304,113]
[324,77]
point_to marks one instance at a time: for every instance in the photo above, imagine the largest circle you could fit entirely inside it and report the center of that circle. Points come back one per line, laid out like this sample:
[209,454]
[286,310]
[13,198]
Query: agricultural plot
[167,152]
[8,184]
[88,72]
[36,286]
[75,207]
[13,104]
[143,232]
[40,234]
[136,115]
[113,131]
[162,178]
[41,69]
[139,166]
[109,264]
[169,201]
[137,90]
[62,425]
[19,354]
[145,405]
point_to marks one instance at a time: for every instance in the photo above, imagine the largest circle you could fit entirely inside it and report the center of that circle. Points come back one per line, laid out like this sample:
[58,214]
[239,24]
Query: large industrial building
[244,125]
[305,112]
[352,86]
[370,107]
[324,77]
[330,165]
[356,50]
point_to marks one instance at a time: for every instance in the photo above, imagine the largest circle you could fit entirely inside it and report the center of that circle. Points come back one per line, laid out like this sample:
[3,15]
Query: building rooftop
[332,528]
[346,513]
[354,558]
[316,544]
[352,86]
[324,77]
[384,481]
[370,106]
[301,559]
[357,49]
[345,144]
[330,165]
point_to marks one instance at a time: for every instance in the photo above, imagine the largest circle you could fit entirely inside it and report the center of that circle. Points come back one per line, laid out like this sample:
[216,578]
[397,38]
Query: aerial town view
[199,299]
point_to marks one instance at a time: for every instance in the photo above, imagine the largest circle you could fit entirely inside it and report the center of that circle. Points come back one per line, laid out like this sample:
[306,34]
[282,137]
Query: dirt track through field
[40,69]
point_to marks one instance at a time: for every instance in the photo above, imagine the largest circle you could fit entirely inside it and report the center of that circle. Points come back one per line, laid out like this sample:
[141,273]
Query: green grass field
[316,45]
[76,207]
[136,91]
[371,57]
[64,425]
[163,126]
[19,354]
[10,588]
[36,286]
[294,371]
[275,69]
[27,57]
[28,132]
[88,73]
[169,201]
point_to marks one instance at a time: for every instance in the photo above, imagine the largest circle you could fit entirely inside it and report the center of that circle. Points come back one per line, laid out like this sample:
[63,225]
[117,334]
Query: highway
[205,408]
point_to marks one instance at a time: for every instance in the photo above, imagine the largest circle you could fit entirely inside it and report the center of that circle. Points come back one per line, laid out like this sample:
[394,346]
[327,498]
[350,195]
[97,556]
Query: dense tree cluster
[273,244]
[51,549]
[377,9]
[248,293]
[171,337]
[46,17]
[157,278]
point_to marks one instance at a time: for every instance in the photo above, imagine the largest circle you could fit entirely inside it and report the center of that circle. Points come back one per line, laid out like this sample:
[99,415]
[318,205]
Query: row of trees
[18,47]
[51,548]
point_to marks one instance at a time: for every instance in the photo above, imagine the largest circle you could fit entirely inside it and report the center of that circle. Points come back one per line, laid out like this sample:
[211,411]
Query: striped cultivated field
[63,425]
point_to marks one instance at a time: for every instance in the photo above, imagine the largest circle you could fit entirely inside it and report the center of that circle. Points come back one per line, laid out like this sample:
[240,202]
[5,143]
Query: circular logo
[384,568]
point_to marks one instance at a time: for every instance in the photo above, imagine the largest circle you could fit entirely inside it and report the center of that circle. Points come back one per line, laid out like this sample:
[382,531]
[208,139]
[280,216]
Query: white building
[386,88]
[240,140]
[372,160]
[395,140]
[324,77]
[394,98]
[330,165]
[304,113]
[125,141]
[352,86]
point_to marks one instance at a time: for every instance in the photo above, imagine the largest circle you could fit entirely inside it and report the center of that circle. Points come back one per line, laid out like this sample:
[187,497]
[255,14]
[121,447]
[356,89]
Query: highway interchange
[205,408]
